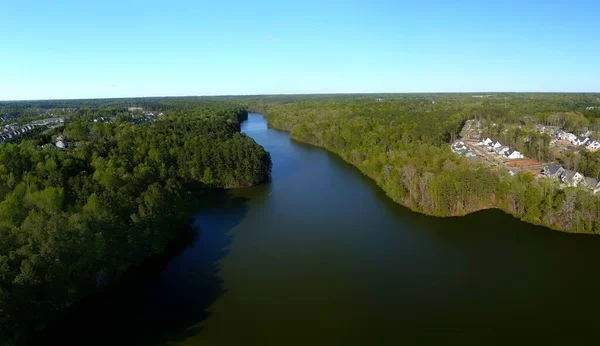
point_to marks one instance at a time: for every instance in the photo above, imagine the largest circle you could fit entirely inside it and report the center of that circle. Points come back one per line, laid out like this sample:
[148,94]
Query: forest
[401,142]
[72,221]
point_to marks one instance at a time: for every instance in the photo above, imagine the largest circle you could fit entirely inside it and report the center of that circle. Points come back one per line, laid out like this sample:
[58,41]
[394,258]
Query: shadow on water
[164,299]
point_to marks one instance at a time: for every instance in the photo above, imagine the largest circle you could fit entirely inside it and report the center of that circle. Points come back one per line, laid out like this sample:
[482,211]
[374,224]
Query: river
[320,256]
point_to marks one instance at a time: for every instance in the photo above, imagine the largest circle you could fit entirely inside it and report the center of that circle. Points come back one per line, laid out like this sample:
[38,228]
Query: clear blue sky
[110,48]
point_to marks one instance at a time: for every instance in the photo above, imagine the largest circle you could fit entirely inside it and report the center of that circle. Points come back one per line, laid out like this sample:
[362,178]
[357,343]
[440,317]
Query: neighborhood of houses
[14,130]
[148,116]
[11,131]
[496,153]
[500,149]
[570,178]
[135,118]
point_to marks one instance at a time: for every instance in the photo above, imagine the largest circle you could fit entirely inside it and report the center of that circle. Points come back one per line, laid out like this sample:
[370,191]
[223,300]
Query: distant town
[10,130]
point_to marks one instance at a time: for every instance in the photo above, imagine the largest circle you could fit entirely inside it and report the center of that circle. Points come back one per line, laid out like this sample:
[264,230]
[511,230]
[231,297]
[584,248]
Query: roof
[569,174]
[511,151]
[552,169]
[591,182]
[582,139]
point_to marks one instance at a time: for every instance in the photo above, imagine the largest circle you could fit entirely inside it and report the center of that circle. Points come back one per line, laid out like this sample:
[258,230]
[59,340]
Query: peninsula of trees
[103,189]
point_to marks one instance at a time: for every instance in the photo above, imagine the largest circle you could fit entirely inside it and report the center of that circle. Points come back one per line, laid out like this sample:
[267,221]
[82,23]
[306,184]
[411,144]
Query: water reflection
[163,300]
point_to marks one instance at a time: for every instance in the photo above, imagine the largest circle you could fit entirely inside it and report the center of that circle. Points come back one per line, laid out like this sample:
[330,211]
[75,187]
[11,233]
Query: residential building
[553,170]
[61,142]
[459,146]
[590,183]
[580,140]
[502,150]
[567,136]
[486,141]
[594,145]
[513,154]
[571,178]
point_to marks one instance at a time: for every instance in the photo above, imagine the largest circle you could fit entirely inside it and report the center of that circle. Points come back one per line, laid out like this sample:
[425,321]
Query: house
[502,150]
[459,146]
[553,170]
[486,141]
[594,145]
[61,142]
[513,154]
[590,183]
[580,140]
[571,178]
[496,145]
[567,136]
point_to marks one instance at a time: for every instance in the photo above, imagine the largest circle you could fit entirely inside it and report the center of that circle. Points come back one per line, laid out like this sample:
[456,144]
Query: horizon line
[306,94]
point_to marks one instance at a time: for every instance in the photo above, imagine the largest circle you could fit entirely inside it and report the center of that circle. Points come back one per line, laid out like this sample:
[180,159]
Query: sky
[133,48]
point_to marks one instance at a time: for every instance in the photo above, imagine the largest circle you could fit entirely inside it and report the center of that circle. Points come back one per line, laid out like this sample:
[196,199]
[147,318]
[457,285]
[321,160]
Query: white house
[571,178]
[567,136]
[513,154]
[486,141]
[502,150]
[580,140]
[594,145]
[496,145]
[458,147]
[61,142]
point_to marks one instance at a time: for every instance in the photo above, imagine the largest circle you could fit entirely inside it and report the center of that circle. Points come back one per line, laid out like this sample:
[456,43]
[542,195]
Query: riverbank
[490,201]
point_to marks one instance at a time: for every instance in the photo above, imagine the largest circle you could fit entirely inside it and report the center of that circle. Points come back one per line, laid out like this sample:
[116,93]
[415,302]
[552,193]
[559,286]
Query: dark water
[320,256]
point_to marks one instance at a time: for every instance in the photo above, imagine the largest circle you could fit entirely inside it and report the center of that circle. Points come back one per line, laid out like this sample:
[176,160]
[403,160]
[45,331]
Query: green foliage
[72,220]
[401,142]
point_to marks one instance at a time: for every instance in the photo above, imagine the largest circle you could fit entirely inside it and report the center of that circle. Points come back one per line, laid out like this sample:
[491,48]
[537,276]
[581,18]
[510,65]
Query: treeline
[73,220]
[403,146]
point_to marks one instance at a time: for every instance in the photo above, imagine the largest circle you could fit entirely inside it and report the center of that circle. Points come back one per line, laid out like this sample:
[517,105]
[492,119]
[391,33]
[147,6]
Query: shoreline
[401,203]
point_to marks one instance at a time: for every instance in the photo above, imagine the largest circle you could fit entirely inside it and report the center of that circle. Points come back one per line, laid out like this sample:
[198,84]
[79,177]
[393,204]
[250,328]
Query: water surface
[320,256]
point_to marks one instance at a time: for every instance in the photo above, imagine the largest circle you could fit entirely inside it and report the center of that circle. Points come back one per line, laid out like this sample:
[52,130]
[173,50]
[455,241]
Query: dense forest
[401,142]
[73,220]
